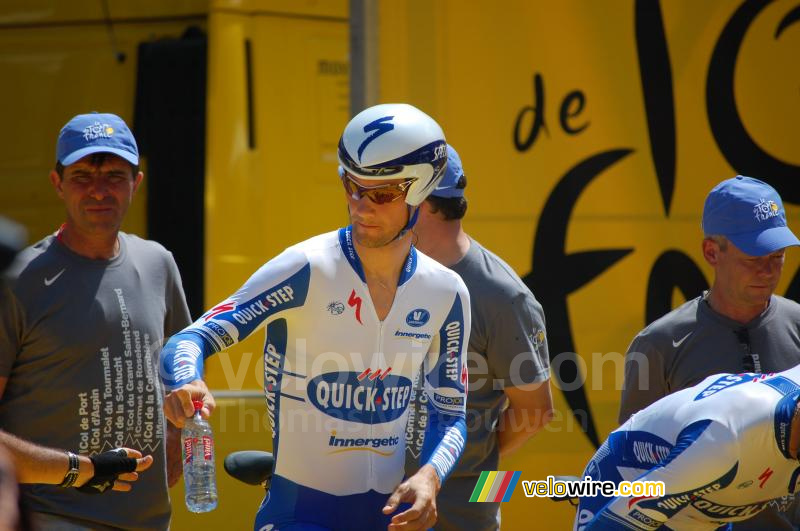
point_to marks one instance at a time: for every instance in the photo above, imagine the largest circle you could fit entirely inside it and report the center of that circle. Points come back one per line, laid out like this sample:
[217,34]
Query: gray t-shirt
[692,342]
[507,347]
[79,342]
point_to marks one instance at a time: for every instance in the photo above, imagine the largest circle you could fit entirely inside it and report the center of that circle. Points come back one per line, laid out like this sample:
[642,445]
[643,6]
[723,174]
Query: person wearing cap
[84,313]
[509,396]
[739,325]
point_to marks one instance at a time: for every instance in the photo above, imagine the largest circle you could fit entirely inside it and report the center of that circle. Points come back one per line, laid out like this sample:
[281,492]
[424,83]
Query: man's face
[97,191]
[376,225]
[746,280]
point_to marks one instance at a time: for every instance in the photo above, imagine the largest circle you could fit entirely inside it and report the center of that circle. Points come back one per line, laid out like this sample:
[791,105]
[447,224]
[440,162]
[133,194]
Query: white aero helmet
[395,141]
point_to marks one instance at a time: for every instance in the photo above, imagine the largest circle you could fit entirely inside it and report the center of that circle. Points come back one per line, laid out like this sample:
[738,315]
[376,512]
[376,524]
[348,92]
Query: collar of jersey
[349,251]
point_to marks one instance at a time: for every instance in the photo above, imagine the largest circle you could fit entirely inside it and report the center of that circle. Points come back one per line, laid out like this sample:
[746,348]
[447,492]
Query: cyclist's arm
[280,284]
[446,386]
[704,459]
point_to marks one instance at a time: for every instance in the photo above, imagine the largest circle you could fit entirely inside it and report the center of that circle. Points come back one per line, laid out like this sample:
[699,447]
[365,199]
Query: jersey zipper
[379,349]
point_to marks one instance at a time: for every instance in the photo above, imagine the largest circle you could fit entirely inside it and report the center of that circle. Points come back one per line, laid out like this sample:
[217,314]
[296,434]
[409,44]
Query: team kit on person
[364,333]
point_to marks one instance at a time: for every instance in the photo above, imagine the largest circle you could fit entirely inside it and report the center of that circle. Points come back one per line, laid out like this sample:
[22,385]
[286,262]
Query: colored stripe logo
[495,486]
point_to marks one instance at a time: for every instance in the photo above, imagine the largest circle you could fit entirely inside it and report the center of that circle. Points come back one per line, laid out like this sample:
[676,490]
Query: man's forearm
[516,427]
[39,464]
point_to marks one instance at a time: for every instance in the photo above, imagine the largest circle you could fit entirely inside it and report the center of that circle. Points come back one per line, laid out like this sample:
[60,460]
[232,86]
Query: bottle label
[187,450]
[208,447]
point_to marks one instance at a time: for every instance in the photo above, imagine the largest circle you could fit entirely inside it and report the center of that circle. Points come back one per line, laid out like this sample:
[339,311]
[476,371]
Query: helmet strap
[413,214]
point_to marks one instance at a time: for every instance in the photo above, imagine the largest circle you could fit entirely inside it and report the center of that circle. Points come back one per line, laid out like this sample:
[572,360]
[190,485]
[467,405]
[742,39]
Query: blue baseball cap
[448,186]
[96,132]
[750,214]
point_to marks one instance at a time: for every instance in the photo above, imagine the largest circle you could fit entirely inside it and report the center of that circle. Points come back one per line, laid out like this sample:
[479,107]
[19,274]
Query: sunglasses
[379,194]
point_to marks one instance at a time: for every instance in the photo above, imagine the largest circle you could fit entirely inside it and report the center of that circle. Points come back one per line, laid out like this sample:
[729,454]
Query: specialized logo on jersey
[723,382]
[378,127]
[418,317]
[377,445]
[765,209]
[764,477]
[223,307]
[355,302]
[372,396]
[335,308]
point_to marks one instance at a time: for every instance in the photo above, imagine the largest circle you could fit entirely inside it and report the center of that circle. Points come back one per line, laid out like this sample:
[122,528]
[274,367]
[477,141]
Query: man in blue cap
[509,396]
[739,325]
[83,314]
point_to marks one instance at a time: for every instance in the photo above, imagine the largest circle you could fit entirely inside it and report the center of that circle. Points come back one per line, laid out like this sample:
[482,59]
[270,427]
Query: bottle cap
[198,405]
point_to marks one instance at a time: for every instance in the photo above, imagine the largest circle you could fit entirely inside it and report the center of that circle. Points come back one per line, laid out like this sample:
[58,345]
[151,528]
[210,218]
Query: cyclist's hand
[420,490]
[178,403]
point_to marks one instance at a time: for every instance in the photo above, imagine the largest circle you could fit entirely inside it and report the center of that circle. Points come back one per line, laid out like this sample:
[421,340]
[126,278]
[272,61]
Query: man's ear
[56,182]
[711,251]
[137,181]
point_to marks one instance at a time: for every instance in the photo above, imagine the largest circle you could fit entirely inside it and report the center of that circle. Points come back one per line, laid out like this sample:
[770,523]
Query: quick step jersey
[721,448]
[337,379]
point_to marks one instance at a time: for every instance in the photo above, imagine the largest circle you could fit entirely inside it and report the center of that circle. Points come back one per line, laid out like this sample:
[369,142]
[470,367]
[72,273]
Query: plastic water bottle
[199,476]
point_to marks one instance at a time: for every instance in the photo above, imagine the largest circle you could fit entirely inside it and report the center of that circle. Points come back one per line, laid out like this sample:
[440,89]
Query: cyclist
[351,316]
[724,449]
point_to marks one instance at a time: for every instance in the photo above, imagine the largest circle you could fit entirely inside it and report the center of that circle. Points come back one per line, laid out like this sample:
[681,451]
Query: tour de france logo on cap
[97,130]
[765,209]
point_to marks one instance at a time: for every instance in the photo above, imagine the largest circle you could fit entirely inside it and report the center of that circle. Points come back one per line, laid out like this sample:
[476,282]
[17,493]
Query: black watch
[72,473]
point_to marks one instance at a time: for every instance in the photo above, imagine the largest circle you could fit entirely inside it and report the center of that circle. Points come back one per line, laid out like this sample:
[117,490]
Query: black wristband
[72,472]
[107,468]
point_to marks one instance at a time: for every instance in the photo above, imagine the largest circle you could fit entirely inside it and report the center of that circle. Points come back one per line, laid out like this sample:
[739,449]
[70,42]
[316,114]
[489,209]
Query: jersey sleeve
[517,342]
[279,285]
[445,385]
[703,460]
[645,377]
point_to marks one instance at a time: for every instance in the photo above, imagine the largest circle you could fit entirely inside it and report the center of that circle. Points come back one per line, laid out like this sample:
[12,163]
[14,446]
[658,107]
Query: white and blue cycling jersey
[337,379]
[721,448]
